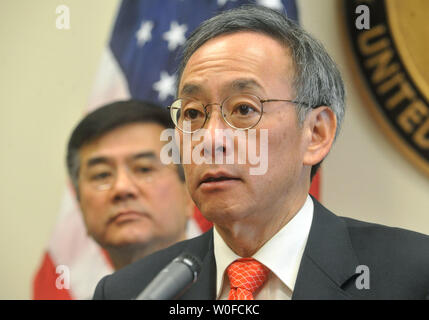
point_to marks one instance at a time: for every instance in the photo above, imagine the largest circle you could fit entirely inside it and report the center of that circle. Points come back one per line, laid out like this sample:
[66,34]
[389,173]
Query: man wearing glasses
[132,204]
[253,70]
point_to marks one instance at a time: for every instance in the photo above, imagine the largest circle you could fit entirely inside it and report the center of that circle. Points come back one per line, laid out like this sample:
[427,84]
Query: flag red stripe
[44,282]
[315,186]
[202,222]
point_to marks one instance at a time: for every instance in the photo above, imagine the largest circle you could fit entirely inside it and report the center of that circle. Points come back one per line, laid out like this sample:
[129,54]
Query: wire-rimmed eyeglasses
[241,111]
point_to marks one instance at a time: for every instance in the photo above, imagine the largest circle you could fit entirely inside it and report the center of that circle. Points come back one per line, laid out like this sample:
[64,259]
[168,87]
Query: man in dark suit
[253,71]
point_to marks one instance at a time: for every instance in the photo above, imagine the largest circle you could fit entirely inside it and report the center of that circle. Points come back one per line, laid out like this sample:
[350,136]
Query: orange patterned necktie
[246,276]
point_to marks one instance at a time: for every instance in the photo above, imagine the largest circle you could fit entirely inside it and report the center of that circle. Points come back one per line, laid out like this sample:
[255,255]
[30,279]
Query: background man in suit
[132,204]
[253,69]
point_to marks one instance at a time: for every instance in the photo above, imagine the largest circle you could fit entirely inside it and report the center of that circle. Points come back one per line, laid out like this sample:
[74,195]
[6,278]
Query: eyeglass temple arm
[293,101]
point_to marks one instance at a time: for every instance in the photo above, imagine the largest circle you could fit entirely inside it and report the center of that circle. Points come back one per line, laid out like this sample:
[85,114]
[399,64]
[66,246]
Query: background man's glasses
[104,177]
[242,112]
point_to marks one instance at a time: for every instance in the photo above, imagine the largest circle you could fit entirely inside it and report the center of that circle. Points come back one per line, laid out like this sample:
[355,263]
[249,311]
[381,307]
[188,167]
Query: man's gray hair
[317,79]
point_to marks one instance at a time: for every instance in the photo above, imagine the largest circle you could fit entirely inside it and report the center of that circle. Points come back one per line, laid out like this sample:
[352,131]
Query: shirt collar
[281,254]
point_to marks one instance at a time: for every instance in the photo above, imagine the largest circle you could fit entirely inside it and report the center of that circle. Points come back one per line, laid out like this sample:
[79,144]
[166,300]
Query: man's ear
[320,125]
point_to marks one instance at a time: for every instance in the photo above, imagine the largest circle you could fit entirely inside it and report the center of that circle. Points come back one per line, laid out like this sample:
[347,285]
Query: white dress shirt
[281,254]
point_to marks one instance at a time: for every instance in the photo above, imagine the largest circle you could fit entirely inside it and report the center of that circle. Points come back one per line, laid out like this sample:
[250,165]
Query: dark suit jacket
[397,264]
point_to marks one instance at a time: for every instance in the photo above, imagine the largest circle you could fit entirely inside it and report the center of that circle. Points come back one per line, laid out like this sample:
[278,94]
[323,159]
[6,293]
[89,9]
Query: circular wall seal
[390,39]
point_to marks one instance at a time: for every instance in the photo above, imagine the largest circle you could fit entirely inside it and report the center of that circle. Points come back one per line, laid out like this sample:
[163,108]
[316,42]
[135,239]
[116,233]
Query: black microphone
[172,281]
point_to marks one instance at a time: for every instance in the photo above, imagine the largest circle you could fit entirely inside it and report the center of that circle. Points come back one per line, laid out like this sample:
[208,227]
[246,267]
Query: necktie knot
[246,276]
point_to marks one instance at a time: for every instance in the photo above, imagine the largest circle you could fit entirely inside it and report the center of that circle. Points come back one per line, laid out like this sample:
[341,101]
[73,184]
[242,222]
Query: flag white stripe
[110,83]
[71,246]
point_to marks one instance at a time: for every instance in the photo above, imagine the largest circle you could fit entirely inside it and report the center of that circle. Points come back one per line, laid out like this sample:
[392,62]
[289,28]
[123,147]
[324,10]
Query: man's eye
[143,170]
[101,176]
[192,114]
[244,109]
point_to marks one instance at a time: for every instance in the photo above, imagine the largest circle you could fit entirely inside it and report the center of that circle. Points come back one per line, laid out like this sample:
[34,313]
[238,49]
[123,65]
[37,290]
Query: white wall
[46,77]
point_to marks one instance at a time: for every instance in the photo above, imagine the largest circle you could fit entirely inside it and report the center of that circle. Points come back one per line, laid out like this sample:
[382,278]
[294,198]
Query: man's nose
[215,143]
[125,187]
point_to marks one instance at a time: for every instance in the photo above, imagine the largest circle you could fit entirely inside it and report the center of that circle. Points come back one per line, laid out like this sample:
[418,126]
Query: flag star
[176,35]
[144,34]
[273,4]
[165,86]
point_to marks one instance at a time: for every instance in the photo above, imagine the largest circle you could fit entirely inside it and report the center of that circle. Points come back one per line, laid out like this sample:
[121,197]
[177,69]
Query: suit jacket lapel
[329,260]
[205,287]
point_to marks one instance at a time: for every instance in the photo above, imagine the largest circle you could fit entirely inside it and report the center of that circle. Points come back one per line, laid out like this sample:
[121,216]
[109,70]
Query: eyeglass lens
[239,111]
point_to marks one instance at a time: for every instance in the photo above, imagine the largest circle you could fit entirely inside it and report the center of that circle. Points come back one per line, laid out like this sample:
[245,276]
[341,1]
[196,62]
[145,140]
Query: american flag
[139,62]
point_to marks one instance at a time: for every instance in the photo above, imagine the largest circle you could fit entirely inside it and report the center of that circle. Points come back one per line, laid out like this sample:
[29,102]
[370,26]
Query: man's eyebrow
[236,85]
[105,160]
[145,154]
[243,84]
[97,160]
[190,89]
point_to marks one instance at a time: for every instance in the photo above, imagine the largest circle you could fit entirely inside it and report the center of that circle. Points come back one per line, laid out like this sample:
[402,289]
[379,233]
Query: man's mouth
[217,178]
[127,215]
